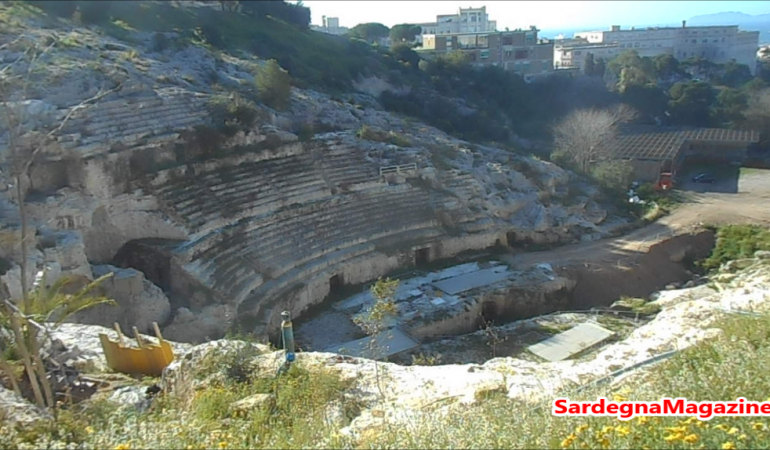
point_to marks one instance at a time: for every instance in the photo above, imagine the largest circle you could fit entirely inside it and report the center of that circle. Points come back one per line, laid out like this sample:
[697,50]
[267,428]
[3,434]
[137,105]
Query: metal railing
[412,167]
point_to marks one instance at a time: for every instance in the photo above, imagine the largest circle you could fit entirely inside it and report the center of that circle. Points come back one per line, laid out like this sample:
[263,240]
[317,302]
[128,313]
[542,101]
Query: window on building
[705,41]
[723,39]
[694,41]
[577,53]
[509,53]
[521,54]
[466,41]
[636,45]
[716,40]
[484,54]
[473,18]
[482,41]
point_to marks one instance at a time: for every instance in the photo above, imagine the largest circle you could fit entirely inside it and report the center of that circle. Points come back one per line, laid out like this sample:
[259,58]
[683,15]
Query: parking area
[722,179]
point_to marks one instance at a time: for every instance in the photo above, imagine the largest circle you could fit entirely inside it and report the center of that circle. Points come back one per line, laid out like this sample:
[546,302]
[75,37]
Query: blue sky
[544,14]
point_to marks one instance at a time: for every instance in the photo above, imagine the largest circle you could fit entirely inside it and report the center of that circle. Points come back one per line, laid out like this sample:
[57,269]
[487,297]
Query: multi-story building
[518,50]
[331,25]
[719,44]
[468,20]
[573,53]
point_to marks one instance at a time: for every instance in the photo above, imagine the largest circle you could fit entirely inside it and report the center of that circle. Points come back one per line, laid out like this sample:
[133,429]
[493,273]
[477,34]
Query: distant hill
[748,22]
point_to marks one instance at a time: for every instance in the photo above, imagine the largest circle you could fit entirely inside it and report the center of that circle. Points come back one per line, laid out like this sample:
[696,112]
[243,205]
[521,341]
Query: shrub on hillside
[614,176]
[95,13]
[736,242]
[231,113]
[274,85]
[391,137]
[57,8]
[160,42]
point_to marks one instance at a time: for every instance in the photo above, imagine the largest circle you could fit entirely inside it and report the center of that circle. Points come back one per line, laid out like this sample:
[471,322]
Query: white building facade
[573,53]
[467,20]
[719,44]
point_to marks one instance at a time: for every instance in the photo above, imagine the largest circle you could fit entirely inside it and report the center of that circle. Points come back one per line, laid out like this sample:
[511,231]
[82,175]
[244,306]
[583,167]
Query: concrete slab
[570,342]
[472,280]
[387,343]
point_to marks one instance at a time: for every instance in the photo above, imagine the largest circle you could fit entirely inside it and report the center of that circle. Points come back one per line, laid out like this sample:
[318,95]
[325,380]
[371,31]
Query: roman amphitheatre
[215,213]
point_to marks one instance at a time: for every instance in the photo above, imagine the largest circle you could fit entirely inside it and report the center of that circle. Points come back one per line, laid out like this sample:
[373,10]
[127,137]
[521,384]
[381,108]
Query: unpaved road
[750,204]
[647,259]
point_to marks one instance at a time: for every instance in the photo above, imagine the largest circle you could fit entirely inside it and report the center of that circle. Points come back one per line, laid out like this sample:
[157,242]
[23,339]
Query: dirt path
[751,204]
[648,259]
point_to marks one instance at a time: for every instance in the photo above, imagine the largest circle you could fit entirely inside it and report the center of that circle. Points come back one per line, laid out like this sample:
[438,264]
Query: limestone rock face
[139,301]
[210,323]
[16,410]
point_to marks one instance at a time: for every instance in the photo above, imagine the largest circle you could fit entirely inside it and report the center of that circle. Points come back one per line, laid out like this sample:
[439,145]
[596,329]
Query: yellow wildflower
[89,430]
[607,429]
[677,429]
[622,430]
[691,438]
[690,420]
[566,442]
[733,430]
[642,420]
[674,437]
[728,446]
[722,427]
[619,398]
[581,428]
[742,437]
[605,443]
[122,447]
[223,445]
[584,445]
[759,426]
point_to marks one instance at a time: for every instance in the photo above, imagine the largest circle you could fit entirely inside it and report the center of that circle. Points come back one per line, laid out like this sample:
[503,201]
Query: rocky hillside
[149,176]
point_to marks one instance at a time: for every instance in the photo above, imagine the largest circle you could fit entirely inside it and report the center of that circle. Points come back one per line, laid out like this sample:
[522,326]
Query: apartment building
[719,44]
[467,20]
[520,50]
[573,53]
[331,25]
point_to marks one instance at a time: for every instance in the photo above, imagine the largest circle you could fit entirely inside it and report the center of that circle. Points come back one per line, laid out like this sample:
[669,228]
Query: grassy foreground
[310,404]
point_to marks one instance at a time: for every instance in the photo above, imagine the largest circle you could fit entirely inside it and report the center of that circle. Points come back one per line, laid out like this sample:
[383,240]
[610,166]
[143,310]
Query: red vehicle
[665,181]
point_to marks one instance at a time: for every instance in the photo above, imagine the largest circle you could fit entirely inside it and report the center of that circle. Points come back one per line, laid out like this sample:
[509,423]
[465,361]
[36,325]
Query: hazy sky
[519,14]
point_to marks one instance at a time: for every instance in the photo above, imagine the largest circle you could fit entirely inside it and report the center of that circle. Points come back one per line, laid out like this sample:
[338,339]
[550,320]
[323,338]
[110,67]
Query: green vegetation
[274,85]
[295,413]
[404,32]
[391,137]
[231,113]
[369,32]
[737,242]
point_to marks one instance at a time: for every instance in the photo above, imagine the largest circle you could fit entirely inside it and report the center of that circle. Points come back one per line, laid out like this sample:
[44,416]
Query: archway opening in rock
[149,256]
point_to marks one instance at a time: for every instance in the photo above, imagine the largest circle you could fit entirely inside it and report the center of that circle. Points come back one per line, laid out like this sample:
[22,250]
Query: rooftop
[661,143]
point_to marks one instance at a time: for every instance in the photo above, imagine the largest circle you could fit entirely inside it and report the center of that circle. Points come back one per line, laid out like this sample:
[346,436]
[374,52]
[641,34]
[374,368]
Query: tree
[370,32]
[731,103]
[59,8]
[405,54]
[590,65]
[691,103]
[584,136]
[23,147]
[649,100]
[666,65]
[614,176]
[631,69]
[96,13]
[757,116]
[375,322]
[734,75]
[404,32]
[274,85]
